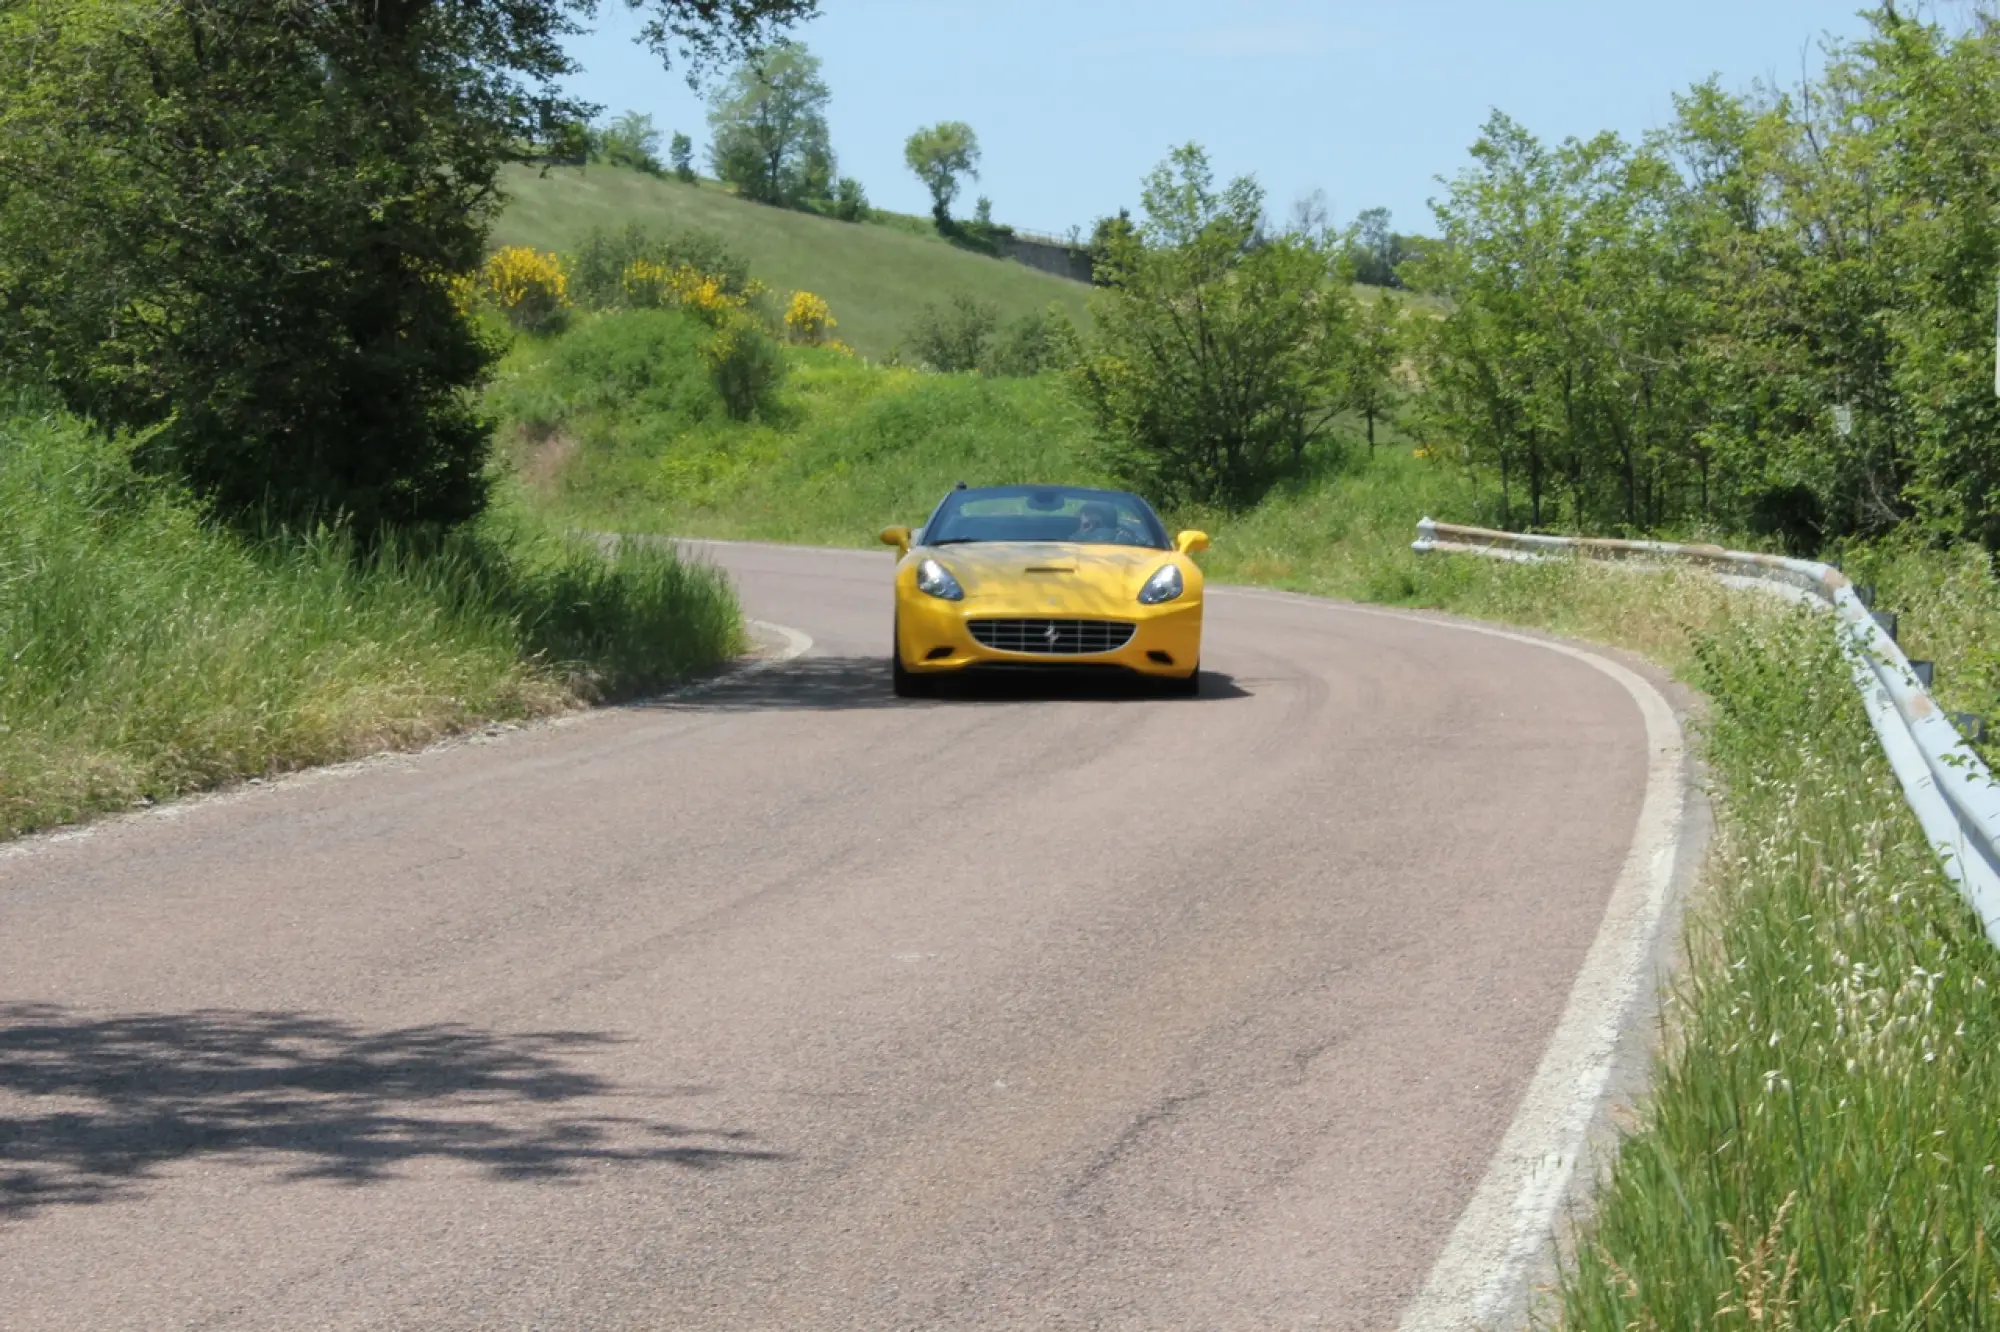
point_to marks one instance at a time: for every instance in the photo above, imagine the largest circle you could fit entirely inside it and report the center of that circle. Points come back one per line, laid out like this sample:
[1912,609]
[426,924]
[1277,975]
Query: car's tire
[907,683]
[1183,686]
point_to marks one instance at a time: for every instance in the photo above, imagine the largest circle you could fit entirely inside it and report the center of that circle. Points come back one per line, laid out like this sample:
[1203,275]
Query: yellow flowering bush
[529,287]
[650,285]
[808,318]
[462,290]
[746,364]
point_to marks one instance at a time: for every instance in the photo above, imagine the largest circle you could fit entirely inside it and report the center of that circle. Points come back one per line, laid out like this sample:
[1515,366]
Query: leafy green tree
[247,248]
[767,127]
[630,141]
[1368,379]
[681,151]
[1377,250]
[1108,236]
[850,201]
[941,155]
[1215,360]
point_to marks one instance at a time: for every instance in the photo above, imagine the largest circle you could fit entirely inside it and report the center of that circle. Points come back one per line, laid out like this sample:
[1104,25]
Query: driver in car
[1097,522]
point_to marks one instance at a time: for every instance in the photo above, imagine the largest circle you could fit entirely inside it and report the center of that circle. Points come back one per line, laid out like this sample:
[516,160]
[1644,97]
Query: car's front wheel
[907,683]
[1183,686]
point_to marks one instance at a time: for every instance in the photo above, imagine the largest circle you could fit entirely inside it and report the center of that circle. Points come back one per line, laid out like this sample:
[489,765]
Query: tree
[630,141]
[248,248]
[1376,250]
[850,201]
[1107,240]
[767,127]
[1369,375]
[1214,364]
[940,155]
[682,153]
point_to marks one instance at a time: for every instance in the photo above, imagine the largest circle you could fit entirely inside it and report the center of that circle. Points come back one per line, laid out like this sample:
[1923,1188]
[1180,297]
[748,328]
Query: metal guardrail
[1947,785]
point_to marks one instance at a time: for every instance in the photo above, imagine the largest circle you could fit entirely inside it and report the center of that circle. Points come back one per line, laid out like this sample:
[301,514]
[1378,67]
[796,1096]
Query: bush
[600,264]
[746,365]
[850,201]
[952,338]
[528,287]
[651,286]
[1030,345]
[808,318]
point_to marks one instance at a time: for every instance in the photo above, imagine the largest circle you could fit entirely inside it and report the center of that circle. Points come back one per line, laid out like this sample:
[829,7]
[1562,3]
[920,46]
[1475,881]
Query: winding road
[784,1004]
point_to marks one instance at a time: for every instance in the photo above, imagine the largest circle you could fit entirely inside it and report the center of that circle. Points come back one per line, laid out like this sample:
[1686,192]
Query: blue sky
[1074,102]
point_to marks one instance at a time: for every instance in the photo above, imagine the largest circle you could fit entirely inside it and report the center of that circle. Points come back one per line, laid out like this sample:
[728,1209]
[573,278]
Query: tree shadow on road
[841,683]
[92,1106]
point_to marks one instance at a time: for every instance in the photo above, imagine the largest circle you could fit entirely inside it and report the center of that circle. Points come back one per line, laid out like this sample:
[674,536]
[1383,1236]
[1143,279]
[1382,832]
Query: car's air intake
[1070,638]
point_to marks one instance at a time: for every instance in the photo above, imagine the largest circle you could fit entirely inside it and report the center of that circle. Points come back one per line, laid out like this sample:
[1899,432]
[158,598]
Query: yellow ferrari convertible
[1044,577]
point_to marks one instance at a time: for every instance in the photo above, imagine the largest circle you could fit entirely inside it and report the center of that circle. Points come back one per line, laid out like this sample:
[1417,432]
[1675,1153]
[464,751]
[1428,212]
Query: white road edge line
[1479,1280]
[796,644]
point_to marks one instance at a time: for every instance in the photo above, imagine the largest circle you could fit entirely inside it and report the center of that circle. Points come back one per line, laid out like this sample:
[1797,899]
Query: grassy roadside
[149,654]
[1818,1145]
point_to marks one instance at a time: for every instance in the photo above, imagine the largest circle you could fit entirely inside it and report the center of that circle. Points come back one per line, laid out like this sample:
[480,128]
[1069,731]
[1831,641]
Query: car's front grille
[1059,637]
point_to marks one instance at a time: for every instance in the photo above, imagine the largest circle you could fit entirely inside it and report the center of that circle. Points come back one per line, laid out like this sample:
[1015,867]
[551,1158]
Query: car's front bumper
[936,636]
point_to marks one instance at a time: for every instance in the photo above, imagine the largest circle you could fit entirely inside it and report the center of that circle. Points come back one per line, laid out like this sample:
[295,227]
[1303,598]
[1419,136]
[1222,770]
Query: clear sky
[1075,100]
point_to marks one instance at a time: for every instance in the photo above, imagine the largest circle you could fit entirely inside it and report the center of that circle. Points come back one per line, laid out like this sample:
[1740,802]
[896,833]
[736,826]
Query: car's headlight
[935,579]
[1162,586]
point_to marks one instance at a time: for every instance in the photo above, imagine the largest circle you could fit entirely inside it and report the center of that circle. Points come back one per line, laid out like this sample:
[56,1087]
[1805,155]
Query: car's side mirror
[1187,543]
[899,537]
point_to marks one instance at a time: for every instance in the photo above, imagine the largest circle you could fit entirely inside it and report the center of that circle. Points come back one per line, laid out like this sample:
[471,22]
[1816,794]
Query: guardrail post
[1924,671]
[1886,620]
[1968,724]
[1864,593]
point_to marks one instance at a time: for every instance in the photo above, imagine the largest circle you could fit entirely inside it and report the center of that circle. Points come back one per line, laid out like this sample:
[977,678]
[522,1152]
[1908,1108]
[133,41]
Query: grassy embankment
[149,653]
[876,277]
[1823,1103]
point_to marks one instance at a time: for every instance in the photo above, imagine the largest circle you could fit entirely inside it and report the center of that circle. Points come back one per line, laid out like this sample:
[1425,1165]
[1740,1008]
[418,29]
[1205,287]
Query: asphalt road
[788,1005]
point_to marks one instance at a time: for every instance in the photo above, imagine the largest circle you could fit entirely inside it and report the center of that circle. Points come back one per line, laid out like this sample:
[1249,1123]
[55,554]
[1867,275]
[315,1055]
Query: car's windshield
[1045,513]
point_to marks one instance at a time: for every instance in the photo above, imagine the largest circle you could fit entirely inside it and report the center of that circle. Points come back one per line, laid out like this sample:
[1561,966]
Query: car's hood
[1048,577]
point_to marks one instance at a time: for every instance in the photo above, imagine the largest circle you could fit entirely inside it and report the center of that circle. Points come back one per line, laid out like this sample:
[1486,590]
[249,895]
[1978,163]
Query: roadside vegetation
[249,517]
[151,651]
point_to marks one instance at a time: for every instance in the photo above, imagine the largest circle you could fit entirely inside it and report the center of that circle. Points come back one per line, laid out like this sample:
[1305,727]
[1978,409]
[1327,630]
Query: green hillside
[875,277]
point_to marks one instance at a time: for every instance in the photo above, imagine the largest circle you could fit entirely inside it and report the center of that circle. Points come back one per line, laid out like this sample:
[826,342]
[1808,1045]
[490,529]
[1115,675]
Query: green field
[875,277]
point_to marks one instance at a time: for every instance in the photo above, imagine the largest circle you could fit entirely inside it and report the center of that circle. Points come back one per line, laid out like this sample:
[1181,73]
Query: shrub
[808,318]
[746,365]
[953,337]
[850,201]
[648,285]
[600,264]
[1030,345]
[529,287]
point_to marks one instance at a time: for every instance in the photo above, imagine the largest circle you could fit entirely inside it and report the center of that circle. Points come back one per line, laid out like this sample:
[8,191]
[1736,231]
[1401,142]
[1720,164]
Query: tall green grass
[148,653]
[1821,1140]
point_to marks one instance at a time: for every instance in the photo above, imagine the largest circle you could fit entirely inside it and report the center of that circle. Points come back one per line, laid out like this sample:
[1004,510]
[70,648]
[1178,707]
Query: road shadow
[838,683]
[90,1107]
